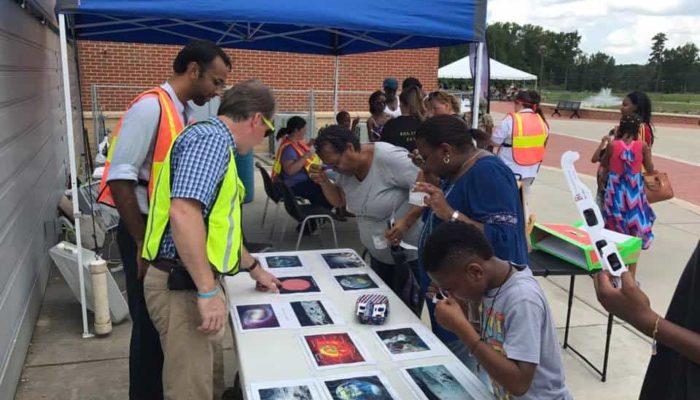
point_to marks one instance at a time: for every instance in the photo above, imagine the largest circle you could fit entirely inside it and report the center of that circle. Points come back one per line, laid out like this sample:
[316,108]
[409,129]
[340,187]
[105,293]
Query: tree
[656,58]
[678,64]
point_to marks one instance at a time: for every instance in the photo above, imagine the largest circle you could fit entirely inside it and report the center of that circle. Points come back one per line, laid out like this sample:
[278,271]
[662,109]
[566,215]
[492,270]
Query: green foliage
[559,62]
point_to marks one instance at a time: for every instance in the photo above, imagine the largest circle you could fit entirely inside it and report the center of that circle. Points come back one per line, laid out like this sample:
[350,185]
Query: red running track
[683,176]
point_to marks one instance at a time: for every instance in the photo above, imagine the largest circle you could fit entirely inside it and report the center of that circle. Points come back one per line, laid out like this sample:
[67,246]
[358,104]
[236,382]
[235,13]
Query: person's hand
[395,234]
[435,200]
[432,291]
[417,159]
[308,155]
[311,142]
[141,263]
[318,175]
[213,314]
[450,315]
[627,302]
[264,280]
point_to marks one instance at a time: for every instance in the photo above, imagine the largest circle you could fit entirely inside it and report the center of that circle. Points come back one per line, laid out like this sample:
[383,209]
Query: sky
[620,28]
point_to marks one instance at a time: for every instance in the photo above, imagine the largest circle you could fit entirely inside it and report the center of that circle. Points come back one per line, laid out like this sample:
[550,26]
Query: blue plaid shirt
[198,163]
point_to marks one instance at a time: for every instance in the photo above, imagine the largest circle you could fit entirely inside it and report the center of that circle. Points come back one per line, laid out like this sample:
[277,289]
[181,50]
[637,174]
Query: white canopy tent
[460,70]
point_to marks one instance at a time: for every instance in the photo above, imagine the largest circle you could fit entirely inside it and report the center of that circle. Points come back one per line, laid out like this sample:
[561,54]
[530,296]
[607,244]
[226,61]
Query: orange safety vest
[529,138]
[169,126]
[301,149]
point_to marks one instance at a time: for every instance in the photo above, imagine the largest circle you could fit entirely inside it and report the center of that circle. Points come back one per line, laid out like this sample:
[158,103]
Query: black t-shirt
[670,376]
[401,131]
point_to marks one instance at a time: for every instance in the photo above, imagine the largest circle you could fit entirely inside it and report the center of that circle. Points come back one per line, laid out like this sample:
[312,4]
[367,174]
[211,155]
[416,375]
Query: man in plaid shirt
[183,290]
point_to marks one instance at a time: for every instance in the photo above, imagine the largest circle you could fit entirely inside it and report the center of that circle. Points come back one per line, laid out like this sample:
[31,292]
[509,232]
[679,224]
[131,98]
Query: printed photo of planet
[358,388]
[298,284]
[257,316]
[356,282]
[343,260]
[283,262]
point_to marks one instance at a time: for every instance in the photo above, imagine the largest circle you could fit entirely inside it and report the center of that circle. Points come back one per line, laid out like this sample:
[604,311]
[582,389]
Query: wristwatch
[455,216]
[252,267]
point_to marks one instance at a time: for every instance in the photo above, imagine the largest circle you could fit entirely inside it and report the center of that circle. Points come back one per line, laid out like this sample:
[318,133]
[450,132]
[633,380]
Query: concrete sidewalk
[62,365]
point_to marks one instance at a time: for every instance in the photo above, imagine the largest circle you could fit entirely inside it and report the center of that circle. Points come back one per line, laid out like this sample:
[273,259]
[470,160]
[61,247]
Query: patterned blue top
[198,162]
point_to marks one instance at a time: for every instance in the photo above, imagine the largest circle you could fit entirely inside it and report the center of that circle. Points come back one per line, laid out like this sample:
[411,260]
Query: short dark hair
[410,82]
[203,52]
[448,129]
[340,115]
[338,138]
[246,98]
[373,98]
[452,240]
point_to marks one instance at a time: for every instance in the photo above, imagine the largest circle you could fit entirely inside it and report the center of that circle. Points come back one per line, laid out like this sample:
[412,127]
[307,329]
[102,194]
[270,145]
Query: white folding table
[279,355]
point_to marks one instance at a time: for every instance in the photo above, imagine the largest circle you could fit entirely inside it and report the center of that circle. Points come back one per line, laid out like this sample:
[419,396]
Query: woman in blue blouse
[474,187]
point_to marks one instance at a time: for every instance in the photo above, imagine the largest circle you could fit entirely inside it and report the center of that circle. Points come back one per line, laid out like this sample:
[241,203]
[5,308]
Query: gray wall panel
[33,166]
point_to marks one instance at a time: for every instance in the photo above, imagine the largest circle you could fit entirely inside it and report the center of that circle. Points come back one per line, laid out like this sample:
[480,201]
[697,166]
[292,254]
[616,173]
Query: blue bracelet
[208,295]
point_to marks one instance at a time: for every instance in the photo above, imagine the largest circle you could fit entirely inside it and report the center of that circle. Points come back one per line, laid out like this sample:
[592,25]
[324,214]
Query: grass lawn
[680,103]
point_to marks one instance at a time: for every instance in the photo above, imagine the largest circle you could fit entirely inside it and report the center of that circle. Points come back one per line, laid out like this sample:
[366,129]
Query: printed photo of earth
[356,282]
[283,262]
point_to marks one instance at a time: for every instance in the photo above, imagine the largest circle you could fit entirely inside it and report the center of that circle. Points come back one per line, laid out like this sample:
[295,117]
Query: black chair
[303,213]
[273,193]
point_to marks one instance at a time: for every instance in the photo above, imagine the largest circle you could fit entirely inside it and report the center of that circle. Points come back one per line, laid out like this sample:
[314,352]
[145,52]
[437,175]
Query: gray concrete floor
[62,365]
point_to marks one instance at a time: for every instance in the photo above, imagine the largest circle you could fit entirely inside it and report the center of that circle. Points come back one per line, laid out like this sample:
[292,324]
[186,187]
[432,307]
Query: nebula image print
[333,349]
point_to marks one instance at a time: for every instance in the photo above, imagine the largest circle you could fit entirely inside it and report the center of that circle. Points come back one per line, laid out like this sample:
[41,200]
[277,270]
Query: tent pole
[335,85]
[477,84]
[67,103]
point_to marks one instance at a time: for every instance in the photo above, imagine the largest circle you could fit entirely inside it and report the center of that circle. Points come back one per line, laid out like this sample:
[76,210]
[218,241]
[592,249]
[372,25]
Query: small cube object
[372,309]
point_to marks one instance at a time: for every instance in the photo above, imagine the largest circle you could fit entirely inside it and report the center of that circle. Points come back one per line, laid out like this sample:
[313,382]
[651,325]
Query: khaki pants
[194,362]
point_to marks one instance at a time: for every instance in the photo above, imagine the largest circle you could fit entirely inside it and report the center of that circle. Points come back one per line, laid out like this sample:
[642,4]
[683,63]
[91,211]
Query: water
[602,99]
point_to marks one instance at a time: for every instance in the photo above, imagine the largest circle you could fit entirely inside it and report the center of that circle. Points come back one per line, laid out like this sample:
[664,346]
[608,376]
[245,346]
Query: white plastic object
[100,297]
[593,224]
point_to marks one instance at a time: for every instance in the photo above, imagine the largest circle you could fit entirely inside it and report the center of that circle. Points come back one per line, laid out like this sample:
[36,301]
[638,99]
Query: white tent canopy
[460,70]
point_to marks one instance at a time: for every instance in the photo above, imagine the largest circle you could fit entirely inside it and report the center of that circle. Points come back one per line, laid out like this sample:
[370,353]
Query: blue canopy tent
[301,26]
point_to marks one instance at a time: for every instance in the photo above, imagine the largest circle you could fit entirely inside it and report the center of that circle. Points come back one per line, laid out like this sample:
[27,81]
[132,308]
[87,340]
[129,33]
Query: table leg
[568,310]
[607,348]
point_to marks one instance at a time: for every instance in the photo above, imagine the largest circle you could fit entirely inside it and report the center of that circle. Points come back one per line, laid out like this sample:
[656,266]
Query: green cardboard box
[574,246]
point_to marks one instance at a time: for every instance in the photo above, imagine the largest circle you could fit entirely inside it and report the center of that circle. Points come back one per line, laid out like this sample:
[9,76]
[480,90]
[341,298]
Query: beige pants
[194,361]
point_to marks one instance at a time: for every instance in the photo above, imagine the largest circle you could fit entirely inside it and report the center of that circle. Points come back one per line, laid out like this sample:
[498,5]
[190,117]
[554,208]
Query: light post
[542,49]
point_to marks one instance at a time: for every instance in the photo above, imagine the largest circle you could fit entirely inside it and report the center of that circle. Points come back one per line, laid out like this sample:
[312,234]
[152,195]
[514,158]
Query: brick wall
[142,66]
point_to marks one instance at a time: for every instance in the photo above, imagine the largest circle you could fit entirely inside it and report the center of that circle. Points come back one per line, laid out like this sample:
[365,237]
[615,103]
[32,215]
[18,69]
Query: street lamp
[542,49]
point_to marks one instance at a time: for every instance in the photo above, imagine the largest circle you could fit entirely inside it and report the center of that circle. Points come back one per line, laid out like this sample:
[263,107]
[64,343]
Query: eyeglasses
[270,126]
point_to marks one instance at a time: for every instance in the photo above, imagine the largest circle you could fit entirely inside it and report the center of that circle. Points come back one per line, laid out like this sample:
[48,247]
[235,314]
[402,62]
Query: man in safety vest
[194,238]
[522,137]
[138,148]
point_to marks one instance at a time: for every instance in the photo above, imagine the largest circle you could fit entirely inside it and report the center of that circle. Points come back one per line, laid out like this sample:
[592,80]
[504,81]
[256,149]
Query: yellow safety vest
[224,232]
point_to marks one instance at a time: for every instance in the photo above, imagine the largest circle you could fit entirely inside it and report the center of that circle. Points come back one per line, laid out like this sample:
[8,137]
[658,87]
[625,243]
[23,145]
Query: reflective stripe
[529,141]
[235,203]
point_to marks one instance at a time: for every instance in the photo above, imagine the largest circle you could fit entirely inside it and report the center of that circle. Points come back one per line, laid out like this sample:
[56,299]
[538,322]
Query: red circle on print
[296,285]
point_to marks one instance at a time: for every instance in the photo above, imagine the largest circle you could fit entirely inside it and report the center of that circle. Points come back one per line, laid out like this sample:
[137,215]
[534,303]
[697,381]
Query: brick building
[121,70]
